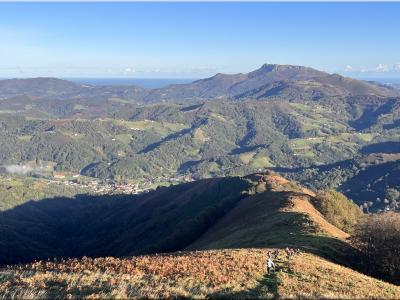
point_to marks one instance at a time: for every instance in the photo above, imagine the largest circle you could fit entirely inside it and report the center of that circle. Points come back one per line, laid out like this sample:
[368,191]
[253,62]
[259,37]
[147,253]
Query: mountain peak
[277,67]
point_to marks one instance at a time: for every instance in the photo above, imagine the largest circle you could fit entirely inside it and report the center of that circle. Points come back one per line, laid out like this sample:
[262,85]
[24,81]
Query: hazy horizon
[196,39]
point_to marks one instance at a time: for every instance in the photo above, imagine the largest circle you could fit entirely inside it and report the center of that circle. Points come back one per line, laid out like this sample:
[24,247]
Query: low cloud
[21,69]
[128,71]
[381,68]
[203,70]
[22,170]
[348,68]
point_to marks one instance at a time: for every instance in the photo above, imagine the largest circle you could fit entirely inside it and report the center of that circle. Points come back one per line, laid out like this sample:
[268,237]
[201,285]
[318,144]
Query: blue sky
[196,39]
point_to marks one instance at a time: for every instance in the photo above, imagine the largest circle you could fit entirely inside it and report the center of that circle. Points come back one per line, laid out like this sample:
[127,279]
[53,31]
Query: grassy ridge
[228,274]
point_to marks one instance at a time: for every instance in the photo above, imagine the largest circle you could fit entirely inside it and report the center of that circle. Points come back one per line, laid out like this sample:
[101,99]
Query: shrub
[337,209]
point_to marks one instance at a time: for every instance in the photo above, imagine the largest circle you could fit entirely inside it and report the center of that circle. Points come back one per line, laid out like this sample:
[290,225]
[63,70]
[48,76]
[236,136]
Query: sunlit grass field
[216,274]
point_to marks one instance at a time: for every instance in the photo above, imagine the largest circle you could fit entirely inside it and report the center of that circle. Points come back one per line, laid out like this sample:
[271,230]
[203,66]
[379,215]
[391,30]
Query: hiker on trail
[297,251]
[291,252]
[269,254]
[288,252]
[269,264]
[276,253]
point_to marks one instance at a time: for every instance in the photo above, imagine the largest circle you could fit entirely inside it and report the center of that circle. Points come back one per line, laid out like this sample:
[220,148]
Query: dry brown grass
[219,274]
[312,277]
[194,275]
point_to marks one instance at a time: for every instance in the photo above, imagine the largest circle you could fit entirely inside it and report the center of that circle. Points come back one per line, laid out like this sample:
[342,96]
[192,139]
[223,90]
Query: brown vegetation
[378,237]
[195,274]
[220,274]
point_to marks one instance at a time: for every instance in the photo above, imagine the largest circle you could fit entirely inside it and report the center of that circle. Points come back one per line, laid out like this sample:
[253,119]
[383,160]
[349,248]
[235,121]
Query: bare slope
[275,218]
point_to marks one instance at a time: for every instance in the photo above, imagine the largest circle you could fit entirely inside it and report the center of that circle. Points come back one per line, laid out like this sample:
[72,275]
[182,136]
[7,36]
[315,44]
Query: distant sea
[143,82]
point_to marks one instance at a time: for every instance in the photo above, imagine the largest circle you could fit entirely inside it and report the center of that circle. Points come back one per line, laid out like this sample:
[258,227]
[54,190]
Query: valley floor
[235,273]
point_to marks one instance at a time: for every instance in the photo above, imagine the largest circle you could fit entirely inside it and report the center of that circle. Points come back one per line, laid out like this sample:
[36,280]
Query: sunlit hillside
[235,273]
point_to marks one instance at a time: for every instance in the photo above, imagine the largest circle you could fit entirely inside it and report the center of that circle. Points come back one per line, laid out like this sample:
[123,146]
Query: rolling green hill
[129,142]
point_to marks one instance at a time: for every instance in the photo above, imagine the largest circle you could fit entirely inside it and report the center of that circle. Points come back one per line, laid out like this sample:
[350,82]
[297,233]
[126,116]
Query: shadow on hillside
[166,139]
[38,230]
[244,149]
[370,116]
[164,220]
[385,147]
[396,123]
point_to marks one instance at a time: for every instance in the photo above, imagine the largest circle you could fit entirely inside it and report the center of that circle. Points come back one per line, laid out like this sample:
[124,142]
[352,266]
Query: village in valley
[106,187]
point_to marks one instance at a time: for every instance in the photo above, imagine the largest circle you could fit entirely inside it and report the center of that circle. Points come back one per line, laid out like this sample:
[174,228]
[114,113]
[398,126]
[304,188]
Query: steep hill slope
[281,216]
[214,213]
[164,220]
[312,89]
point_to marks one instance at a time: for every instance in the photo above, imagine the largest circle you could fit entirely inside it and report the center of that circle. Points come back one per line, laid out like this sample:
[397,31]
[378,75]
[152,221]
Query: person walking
[269,254]
[288,252]
[276,253]
[269,264]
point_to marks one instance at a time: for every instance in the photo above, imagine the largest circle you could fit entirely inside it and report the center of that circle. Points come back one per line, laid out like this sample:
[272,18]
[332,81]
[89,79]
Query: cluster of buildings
[130,188]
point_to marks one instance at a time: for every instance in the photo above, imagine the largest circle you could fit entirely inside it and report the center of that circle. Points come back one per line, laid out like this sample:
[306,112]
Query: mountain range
[220,85]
